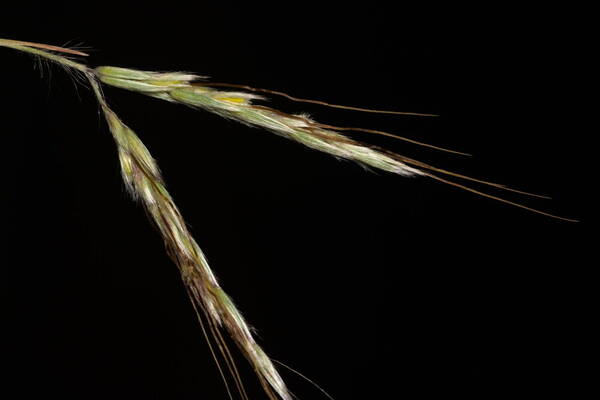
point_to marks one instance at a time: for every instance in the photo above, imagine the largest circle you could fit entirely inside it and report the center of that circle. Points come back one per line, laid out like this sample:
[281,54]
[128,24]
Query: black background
[372,285]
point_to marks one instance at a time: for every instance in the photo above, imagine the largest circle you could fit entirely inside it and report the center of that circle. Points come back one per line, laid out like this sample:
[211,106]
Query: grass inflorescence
[216,310]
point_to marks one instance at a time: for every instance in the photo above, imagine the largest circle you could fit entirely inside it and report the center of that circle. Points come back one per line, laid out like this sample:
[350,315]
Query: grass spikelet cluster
[215,309]
[238,106]
[143,180]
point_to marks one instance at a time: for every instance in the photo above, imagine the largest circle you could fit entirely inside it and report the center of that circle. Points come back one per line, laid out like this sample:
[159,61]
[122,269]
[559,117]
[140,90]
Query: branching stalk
[215,309]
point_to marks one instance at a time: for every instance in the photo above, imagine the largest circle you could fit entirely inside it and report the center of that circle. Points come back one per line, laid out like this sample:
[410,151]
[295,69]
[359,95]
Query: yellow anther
[232,99]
